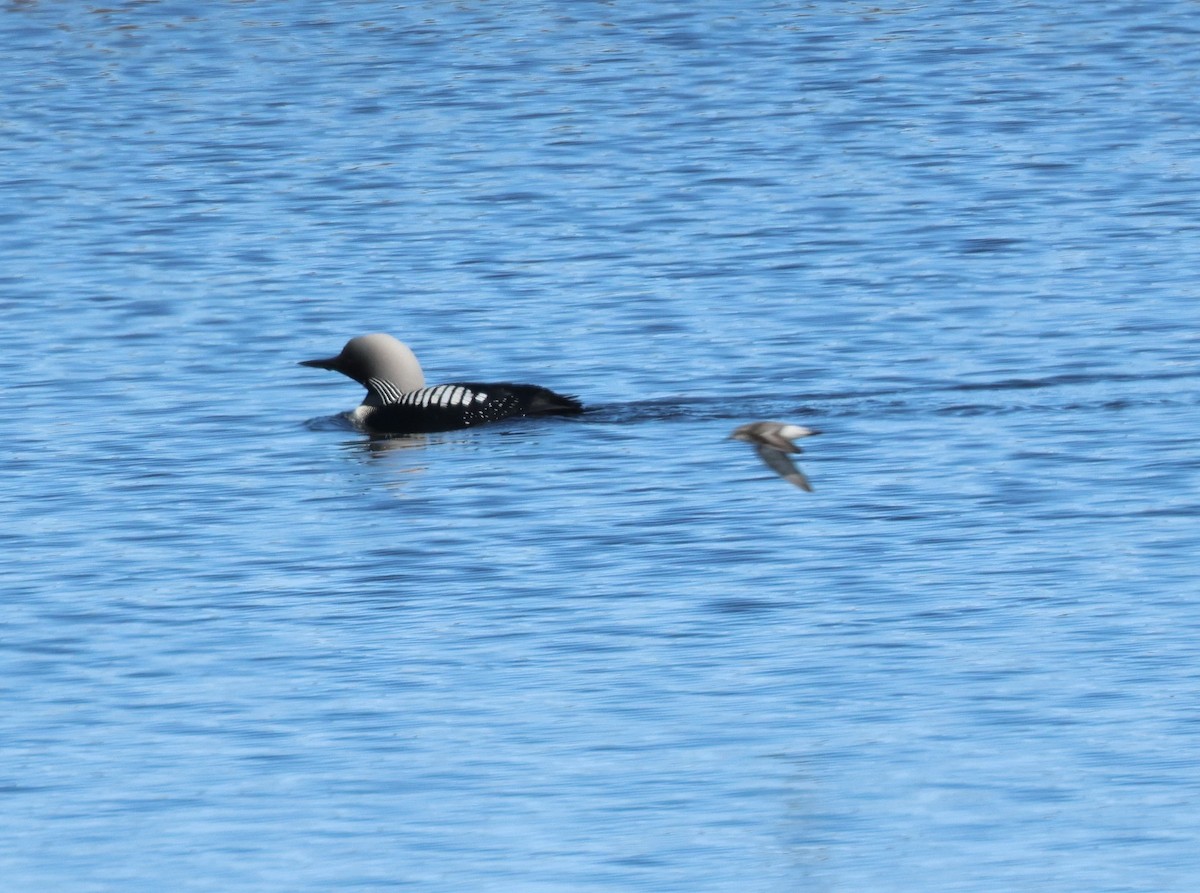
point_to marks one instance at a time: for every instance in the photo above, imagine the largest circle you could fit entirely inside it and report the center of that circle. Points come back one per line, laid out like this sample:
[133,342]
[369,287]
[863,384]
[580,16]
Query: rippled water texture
[245,648]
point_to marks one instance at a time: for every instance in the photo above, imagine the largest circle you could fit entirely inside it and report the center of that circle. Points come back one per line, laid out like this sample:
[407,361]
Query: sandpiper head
[376,356]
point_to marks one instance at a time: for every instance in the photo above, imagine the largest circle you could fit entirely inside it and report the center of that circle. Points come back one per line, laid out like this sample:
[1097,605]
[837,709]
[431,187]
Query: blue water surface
[246,648]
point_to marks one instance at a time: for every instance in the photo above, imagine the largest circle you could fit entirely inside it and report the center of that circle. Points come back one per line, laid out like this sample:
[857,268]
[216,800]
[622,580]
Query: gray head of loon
[376,356]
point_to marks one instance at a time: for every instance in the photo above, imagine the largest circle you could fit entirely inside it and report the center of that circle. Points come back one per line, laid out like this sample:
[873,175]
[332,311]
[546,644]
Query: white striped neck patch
[444,395]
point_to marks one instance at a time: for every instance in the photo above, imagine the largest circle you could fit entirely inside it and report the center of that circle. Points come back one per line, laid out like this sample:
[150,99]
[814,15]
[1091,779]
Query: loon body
[398,402]
[773,441]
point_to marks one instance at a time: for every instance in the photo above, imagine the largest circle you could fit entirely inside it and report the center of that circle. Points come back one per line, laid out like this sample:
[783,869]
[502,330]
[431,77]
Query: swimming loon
[398,402]
[773,441]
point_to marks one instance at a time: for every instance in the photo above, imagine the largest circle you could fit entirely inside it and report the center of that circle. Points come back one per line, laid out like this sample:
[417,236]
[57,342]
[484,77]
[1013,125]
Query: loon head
[376,356]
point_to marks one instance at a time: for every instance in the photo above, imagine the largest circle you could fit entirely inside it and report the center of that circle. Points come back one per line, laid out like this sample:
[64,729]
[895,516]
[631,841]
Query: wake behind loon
[398,402]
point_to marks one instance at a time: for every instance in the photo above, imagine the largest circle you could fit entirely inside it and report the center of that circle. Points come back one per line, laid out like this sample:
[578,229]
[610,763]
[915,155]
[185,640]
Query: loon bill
[398,402]
[773,441]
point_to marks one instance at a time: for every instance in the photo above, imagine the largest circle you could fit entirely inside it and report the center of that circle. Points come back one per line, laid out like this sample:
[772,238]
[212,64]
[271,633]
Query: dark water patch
[989,245]
[743,606]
